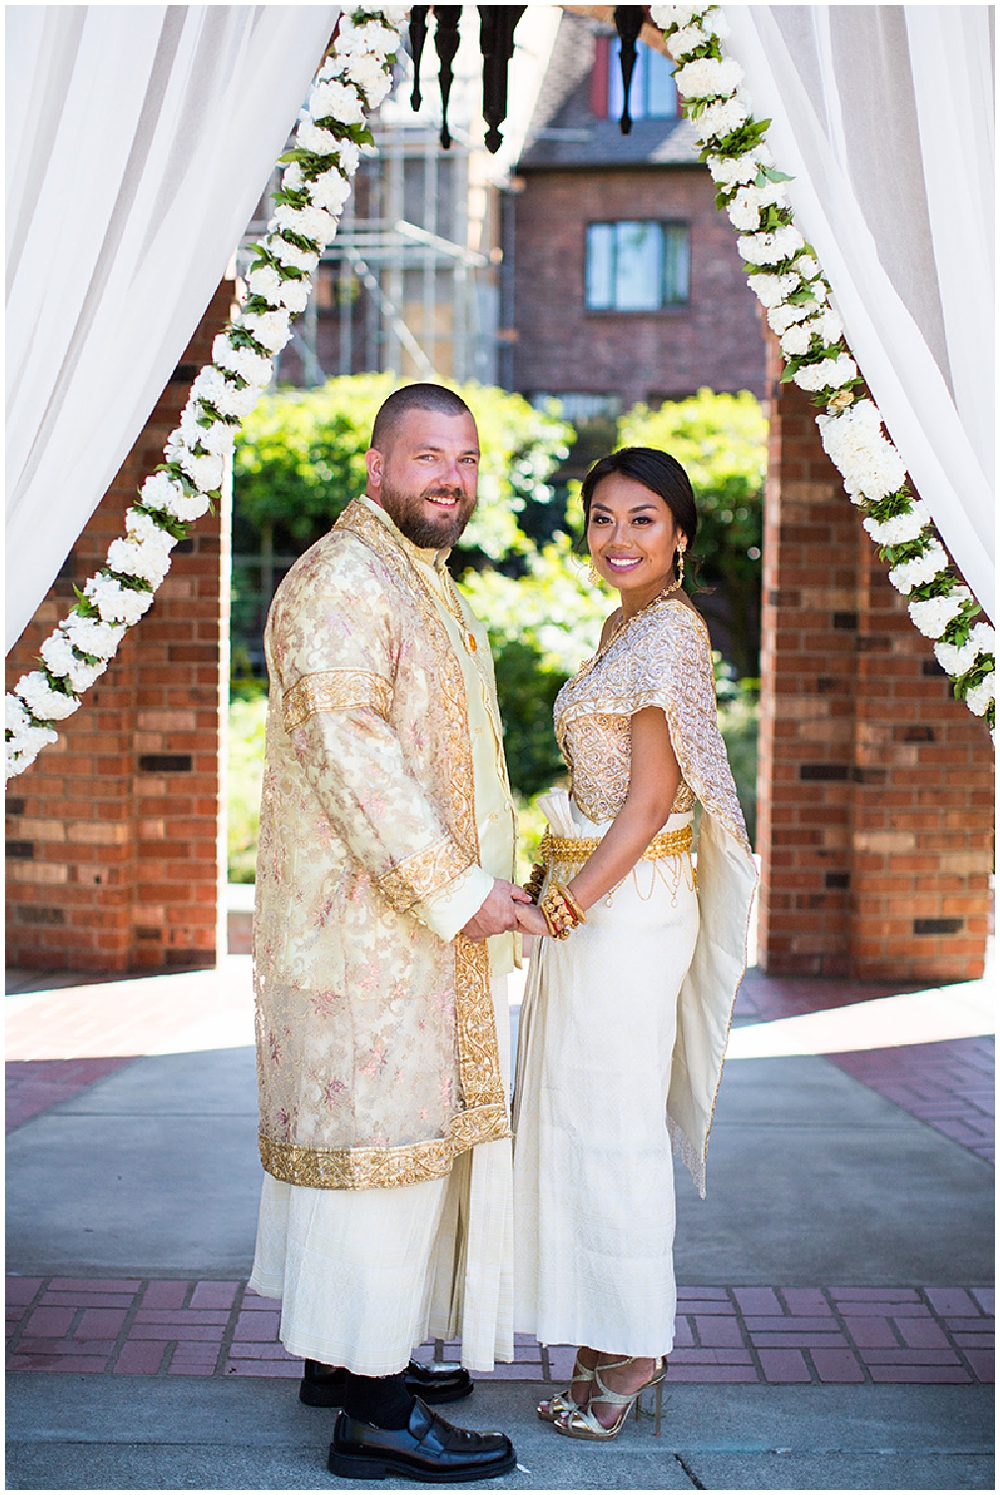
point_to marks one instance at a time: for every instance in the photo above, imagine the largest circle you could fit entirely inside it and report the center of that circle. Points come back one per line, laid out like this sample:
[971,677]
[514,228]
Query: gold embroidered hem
[568,851]
[423,874]
[335,690]
[382,1167]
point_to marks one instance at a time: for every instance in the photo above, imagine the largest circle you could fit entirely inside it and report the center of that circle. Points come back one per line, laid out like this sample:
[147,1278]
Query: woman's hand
[530,919]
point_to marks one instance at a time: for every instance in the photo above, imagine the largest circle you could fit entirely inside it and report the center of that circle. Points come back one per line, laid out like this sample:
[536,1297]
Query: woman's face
[632,536]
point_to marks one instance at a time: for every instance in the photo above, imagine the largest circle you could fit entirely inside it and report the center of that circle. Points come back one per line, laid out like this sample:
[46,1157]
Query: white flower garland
[316,184]
[790,286]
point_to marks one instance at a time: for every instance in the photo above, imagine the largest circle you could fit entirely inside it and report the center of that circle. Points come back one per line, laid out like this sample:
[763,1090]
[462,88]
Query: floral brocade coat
[376,1044]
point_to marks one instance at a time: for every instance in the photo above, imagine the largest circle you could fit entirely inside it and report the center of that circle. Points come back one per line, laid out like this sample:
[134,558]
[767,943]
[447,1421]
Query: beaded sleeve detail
[663,659]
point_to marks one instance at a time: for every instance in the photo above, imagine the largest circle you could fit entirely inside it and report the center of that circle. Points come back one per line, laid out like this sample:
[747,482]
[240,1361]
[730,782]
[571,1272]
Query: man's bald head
[413,397]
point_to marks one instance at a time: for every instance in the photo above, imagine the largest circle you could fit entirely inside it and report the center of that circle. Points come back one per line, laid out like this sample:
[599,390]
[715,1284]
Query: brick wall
[714,341]
[112,834]
[875,786]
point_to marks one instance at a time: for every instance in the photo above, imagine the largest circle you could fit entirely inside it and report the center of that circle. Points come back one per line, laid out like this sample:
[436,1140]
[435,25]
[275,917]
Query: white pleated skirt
[364,1275]
[594,1207]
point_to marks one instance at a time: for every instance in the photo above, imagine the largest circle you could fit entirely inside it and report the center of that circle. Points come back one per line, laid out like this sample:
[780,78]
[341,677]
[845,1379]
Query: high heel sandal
[563,1401]
[583,1423]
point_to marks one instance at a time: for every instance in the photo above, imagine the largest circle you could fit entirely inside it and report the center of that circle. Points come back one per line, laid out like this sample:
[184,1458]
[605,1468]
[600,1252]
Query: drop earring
[680,564]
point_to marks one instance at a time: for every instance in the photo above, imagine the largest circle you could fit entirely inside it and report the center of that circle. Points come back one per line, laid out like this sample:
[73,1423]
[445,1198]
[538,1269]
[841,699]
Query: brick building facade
[578,170]
[113,833]
[875,787]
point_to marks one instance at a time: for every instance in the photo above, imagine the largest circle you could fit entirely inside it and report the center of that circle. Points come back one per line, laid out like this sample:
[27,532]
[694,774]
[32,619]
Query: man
[382,940]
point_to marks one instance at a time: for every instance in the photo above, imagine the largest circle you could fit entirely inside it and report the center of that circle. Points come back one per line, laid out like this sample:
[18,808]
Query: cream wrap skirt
[593,1174]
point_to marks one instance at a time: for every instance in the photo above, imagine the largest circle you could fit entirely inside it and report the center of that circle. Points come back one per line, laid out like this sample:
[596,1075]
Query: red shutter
[599,78]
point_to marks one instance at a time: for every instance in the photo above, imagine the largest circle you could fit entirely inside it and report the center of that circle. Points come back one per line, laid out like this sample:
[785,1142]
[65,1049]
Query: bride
[627,1009]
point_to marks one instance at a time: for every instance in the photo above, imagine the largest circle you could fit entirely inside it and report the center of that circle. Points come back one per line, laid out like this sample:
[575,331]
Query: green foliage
[721,441]
[300,460]
[246,769]
[739,713]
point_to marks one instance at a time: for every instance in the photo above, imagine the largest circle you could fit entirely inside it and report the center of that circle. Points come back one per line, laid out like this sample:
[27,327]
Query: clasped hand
[506,906]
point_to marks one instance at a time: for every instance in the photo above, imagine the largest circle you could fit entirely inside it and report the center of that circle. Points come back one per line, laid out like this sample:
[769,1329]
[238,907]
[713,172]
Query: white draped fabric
[139,140]
[884,116]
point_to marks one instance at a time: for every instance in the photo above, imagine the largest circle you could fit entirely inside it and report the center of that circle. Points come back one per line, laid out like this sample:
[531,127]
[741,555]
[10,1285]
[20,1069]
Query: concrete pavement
[815,1179]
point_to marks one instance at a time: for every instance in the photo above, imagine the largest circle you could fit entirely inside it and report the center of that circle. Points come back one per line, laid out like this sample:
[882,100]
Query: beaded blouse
[663,657]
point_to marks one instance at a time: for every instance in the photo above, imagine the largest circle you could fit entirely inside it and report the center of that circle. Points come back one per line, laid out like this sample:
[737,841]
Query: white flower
[213,386]
[770,249]
[290,254]
[330,191]
[370,75]
[166,495]
[15,717]
[688,39]
[270,329]
[311,223]
[828,326]
[920,570]
[901,527]
[744,210]
[99,640]
[796,341]
[44,703]
[206,473]
[140,558]
[243,361]
[728,171]
[780,318]
[295,294]
[115,603]
[395,14]
[957,658]
[330,100]
[217,437]
[24,749]
[707,78]
[807,267]
[980,696]
[370,36]
[853,441]
[831,373]
[674,15]
[311,138]
[932,615]
[265,281]
[57,652]
[771,290]
[292,179]
[715,20]
[348,153]
[721,119]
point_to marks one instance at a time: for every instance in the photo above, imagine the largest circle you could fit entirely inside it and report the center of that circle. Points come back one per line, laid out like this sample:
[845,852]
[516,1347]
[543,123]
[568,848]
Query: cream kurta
[624,1025]
[365,1274]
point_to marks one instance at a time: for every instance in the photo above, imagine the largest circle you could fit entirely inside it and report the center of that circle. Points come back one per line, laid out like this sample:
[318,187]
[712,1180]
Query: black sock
[382,1401]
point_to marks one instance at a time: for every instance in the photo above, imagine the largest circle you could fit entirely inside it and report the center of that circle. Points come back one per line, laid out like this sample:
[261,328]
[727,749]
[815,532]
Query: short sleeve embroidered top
[663,657]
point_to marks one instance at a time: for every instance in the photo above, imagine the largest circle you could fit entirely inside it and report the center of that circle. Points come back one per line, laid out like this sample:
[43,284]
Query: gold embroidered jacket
[664,658]
[376,1044]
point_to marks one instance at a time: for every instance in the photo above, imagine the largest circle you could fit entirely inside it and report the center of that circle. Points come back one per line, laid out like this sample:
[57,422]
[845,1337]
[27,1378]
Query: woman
[626,1012]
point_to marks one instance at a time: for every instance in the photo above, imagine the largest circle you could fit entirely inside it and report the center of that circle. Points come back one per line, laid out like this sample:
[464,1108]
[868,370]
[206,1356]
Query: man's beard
[427,532]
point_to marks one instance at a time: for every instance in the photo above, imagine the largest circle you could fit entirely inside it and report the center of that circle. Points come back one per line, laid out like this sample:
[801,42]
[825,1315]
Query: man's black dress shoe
[323,1385]
[429,1449]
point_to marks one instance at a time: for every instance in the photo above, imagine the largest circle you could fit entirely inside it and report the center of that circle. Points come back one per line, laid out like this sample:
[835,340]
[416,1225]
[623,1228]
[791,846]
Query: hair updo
[655,470]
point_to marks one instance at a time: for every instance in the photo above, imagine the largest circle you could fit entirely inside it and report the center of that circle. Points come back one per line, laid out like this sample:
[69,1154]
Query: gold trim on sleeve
[422,875]
[335,690]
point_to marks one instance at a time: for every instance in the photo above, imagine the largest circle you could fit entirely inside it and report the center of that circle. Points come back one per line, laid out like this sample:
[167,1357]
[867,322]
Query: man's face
[426,478]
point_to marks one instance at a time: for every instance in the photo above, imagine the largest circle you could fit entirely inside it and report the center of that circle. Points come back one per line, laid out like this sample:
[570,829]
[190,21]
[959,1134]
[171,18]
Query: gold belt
[563,850]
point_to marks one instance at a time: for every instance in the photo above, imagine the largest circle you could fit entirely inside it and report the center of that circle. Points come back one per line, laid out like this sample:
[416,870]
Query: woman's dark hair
[655,470]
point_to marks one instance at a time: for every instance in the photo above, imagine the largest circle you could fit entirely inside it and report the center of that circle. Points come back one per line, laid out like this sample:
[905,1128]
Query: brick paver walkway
[724,1334]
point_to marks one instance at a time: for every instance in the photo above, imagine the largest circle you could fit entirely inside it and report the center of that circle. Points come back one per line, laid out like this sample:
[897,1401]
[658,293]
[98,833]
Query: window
[637,266]
[653,94]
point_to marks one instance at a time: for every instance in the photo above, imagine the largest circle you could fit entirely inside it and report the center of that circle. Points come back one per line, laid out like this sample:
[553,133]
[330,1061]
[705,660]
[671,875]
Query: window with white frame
[637,265]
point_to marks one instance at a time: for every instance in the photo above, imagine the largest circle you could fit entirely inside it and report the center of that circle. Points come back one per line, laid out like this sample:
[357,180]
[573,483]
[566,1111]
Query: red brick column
[113,833]
[874,790]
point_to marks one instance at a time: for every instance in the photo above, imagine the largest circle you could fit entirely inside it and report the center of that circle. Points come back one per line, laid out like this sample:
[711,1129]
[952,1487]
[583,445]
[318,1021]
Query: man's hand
[498,912]
[531,920]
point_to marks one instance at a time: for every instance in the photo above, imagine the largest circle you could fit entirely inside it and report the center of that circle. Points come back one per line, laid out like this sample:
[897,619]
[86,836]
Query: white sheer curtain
[139,140]
[884,116]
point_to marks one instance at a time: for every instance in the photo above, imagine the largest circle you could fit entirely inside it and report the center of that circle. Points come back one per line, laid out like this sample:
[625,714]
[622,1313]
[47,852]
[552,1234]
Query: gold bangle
[574,903]
[533,886]
[559,913]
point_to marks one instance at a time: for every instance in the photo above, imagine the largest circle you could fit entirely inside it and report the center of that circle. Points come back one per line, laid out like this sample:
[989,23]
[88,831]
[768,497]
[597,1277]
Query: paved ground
[835,1329]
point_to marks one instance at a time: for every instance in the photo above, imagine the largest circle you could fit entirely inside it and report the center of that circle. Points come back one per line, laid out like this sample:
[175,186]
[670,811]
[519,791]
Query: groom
[382,942]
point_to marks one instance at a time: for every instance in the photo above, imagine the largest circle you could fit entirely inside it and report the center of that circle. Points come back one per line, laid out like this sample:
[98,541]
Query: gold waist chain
[563,851]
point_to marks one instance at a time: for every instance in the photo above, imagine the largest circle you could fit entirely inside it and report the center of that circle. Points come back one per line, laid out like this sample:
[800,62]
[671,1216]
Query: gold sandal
[583,1423]
[563,1401]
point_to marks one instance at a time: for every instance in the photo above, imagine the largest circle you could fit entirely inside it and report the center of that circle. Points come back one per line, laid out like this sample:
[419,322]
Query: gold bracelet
[533,886]
[574,903]
[559,912]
